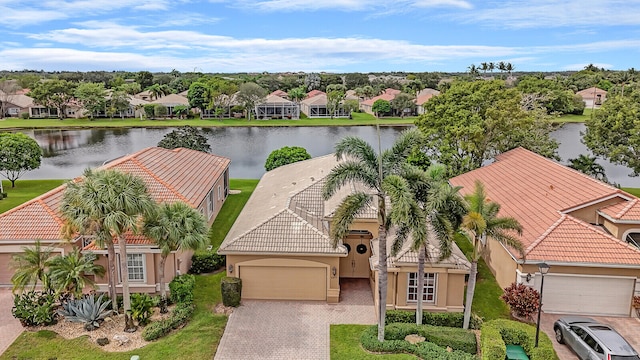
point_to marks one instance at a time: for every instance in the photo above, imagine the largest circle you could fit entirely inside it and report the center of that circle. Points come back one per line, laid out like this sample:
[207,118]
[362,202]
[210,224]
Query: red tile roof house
[197,178]
[581,227]
[593,97]
[388,94]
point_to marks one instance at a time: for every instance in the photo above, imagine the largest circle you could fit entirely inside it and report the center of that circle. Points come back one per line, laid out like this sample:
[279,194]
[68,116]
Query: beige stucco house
[197,178]
[593,96]
[280,247]
[583,228]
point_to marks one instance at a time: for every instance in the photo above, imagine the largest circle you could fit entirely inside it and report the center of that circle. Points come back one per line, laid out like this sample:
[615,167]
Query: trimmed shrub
[447,319]
[24,115]
[231,288]
[156,330]
[149,110]
[141,308]
[181,288]
[206,262]
[456,338]
[497,333]
[34,308]
[179,317]
[522,300]
[395,343]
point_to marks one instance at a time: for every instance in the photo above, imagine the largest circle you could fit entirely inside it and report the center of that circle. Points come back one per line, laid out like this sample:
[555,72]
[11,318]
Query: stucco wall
[501,263]
[556,269]
[203,207]
[589,214]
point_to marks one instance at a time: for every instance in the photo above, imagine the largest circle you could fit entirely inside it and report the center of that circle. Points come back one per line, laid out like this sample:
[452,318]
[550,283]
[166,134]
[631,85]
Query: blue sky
[317,35]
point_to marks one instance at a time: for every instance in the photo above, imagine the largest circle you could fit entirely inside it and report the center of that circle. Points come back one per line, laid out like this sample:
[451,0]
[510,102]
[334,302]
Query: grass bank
[358,119]
[570,118]
[231,209]
[24,191]
[633,191]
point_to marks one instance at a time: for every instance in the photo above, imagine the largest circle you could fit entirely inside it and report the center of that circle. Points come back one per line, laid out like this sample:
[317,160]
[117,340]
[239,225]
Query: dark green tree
[284,156]
[18,154]
[381,107]
[55,94]
[587,165]
[144,78]
[185,137]
[402,102]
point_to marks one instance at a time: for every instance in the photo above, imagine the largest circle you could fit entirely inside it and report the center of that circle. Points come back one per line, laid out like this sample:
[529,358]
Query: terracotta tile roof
[625,211]
[285,232]
[575,241]
[425,95]
[170,175]
[318,99]
[535,190]
[389,94]
[313,93]
[131,239]
[171,100]
[280,93]
[274,99]
[591,93]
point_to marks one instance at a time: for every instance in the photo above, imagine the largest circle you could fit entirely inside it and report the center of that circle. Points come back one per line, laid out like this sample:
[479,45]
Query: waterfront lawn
[199,339]
[345,345]
[359,119]
[486,300]
[632,191]
[231,209]
[570,118]
[24,191]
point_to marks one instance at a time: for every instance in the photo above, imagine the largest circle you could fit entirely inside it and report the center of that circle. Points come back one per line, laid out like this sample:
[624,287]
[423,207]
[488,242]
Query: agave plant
[87,310]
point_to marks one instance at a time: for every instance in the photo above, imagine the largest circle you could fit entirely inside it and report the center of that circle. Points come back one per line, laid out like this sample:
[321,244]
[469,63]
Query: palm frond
[357,149]
[352,206]
[346,172]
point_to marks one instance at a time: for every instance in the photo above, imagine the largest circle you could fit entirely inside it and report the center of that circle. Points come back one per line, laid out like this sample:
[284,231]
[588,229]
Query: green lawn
[633,191]
[198,340]
[486,300]
[231,209]
[575,118]
[358,119]
[345,345]
[25,190]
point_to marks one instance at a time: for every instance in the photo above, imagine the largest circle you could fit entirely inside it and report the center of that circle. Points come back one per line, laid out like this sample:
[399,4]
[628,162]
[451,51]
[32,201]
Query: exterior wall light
[334,271]
[230,268]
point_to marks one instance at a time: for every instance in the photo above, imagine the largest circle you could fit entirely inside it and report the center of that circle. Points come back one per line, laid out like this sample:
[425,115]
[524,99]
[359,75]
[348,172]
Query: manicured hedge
[206,262]
[463,342]
[497,333]
[182,294]
[181,288]
[447,319]
[231,289]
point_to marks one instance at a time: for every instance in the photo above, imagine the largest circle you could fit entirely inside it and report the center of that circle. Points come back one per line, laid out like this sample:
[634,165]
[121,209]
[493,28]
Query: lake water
[69,152]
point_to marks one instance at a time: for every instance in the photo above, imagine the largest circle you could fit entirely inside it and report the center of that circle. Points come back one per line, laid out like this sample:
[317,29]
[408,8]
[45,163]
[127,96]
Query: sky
[317,35]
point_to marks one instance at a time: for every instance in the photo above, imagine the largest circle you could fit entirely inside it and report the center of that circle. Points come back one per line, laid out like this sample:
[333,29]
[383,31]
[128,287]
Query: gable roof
[170,175]
[274,99]
[280,93]
[389,94]
[537,192]
[592,93]
[313,93]
[623,211]
[20,100]
[171,99]
[425,95]
[318,100]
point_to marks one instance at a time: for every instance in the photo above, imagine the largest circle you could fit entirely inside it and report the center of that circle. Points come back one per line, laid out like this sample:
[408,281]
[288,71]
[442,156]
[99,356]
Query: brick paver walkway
[629,328]
[261,329]
[10,328]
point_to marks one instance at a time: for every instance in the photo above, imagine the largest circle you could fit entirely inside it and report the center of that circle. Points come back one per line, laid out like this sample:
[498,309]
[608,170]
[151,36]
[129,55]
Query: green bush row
[453,319]
[497,333]
[34,308]
[181,288]
[425,350]
[206,262]
[456,338]
[179,317]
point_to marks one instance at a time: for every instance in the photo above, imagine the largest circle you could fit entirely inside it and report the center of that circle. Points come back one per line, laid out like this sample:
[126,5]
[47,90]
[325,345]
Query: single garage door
[283,283]
[6,271]
[597,295]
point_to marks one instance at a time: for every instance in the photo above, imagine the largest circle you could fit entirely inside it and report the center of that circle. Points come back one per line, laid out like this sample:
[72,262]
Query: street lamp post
[544,269]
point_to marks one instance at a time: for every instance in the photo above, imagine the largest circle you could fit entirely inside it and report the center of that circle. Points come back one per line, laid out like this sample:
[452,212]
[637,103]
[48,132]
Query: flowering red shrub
[522,300]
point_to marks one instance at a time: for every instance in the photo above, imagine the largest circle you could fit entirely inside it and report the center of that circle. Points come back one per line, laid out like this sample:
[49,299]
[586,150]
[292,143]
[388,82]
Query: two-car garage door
[593,295]
[283,282]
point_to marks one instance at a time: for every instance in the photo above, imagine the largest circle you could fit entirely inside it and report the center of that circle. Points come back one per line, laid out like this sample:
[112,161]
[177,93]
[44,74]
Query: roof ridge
[625,209]
[158,179]
[308,224]
[542,236]
[223,245]
[51,212]
[124,158]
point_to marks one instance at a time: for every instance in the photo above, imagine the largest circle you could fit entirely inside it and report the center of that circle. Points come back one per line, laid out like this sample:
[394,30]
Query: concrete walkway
[629,328]
[10,328]
[261,329]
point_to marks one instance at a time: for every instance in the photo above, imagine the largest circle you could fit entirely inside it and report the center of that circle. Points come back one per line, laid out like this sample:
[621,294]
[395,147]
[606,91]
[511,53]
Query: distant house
[280,247]
[276,107]
[16,104]
[593,96]
[388,95]
[171,101]
[144,95]
[313,93]
[280,93]
[196,178]
[424,96]
[316,107]
[586,230]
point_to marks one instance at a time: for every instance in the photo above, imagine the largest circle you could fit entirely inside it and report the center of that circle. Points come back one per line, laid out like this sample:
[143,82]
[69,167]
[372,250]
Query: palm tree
[69,273]
[107,204]
[473,71]
[155,91]
[502,66]
[480,225]
[491,67]
[381,173]
[174,227]
[31,267]
[297,94]
[484,67]
[509,68]
[587,165]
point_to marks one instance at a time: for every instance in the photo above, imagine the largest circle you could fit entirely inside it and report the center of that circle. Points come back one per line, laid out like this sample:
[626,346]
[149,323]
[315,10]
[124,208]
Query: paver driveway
[261,329]
[10,328]
[629,328]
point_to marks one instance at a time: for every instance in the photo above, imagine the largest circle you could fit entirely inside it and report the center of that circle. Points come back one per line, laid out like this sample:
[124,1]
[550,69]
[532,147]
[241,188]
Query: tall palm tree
[381,173]
[297,94]
[491,66]
[70,273]
[482,224]
[587,165]
[484,67]
[509,68]
[502,66]
[31,267]
[175,227]
[107,204]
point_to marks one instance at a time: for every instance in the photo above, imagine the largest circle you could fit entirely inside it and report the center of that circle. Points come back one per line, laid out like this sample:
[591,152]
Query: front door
[356,264]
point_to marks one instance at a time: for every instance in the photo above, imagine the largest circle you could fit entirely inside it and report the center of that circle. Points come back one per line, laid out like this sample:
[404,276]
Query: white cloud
[553,13]
[350,5]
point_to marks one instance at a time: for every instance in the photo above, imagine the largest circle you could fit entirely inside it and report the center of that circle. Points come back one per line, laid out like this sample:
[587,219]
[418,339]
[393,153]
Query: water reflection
[69,152]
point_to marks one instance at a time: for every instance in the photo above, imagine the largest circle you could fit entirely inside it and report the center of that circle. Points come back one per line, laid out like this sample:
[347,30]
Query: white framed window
[211,201]
[219,192]
[136,266]
[429,286]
